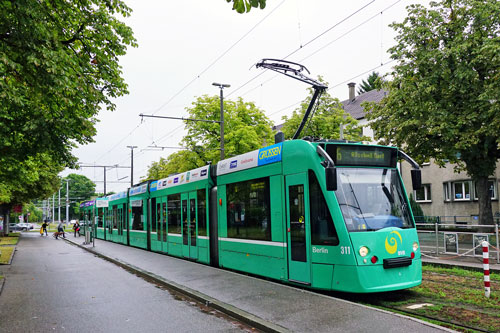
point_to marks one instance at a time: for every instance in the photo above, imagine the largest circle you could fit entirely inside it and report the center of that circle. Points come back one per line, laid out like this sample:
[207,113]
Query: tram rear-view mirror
[331,178]
[416,179]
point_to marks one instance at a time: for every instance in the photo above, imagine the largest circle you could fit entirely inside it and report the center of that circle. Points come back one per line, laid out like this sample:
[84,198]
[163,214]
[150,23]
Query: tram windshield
[372,199]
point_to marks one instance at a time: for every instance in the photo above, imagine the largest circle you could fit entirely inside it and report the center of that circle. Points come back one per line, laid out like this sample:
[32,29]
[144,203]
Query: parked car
[25,226]
[14,227]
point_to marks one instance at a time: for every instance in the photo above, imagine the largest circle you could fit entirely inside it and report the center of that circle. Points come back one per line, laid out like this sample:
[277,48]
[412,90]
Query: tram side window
[322,228]
[164,220]
[153,215]
[137,215]
[202,212]
[100,215]
[115,217]
[174,213]
[248,210]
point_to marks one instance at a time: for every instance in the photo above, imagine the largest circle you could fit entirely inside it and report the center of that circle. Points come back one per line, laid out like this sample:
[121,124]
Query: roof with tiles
[354,108]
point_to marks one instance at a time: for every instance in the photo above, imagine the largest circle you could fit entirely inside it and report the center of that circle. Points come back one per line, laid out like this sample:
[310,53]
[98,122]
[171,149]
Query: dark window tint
[100,214]
[174,213]
[202,212]
[297,222]
[248,210]
[164,220]
[153,215]
[137,217]
[322,228]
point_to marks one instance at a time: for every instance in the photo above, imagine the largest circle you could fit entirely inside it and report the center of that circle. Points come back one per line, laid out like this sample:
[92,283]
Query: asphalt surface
[52,286]
[270,305]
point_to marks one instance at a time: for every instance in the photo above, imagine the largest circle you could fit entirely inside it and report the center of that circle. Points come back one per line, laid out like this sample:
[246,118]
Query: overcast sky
[185,46]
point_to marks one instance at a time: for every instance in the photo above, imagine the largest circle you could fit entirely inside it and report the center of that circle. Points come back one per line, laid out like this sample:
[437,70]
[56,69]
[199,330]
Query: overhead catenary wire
[307,43]
[323,47]
[196,77]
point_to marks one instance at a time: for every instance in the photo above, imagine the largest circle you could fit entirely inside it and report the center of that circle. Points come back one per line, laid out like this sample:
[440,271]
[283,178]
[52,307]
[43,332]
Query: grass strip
[9,240]
[5,254]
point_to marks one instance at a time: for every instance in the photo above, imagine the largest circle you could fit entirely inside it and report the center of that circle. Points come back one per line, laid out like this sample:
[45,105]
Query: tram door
[161,217]
[189,225]
[298,229]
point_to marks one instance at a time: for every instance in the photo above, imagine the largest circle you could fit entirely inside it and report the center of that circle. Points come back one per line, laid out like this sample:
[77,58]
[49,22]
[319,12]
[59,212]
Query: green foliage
[372,82]
[80,189]
[415,207]
[443,100]
[244,6]
[177,162]
[326,121]
[246,128]
[59,65]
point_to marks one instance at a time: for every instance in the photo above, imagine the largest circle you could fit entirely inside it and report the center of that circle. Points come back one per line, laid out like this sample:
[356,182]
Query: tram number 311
[345,250]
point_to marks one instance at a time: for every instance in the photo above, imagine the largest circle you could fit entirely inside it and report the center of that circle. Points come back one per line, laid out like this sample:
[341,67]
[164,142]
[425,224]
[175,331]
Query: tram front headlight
[363,251]
[415,246]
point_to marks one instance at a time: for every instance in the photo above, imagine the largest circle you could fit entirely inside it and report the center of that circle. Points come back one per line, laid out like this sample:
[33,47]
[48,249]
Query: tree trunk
[4,212]
[484,200]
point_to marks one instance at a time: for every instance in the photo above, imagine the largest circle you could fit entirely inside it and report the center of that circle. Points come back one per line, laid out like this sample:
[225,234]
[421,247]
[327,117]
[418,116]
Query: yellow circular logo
[391,242]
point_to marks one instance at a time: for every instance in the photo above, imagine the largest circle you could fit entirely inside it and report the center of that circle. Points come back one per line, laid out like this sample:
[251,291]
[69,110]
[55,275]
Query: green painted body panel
[100,233]
[322,276]
[138,239]
[271,267]
[368,279]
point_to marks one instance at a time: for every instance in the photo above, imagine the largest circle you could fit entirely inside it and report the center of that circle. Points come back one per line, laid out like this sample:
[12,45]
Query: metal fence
[458,239]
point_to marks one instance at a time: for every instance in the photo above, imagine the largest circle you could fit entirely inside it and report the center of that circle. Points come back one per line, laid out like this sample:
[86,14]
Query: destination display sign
[251,159]
[101,202]
[353,155]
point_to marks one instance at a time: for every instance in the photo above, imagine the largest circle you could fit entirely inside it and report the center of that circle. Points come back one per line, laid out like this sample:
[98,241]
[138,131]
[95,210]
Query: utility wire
[198,76]
[307,43]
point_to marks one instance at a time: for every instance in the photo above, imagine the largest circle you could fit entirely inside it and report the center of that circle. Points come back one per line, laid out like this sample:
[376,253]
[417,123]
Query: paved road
[53,286]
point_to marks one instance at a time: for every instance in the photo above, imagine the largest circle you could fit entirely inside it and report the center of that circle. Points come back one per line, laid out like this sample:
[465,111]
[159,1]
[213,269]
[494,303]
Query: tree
[58,66]
[177,162]
[81,189]
[244,6]
[326,121]
[443,100]
[246,128]
[369,84]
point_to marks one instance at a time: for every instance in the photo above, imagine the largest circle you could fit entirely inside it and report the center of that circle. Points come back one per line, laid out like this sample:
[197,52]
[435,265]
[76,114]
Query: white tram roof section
[138,189]
[190,176]
[251,159]
[117,196]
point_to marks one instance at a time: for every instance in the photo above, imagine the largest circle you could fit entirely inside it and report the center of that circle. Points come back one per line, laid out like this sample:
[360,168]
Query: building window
[248,210]
[491,189]
[447,192]
[424,194]
[461,191]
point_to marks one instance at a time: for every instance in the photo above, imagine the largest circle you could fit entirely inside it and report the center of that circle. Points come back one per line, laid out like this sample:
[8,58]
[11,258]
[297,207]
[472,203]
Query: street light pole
[59,207]
[67,201]
[221,87]
[131,165]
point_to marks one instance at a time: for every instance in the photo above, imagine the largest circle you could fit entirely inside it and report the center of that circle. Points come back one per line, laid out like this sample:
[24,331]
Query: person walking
[60,230]
[44,228]
[76,228]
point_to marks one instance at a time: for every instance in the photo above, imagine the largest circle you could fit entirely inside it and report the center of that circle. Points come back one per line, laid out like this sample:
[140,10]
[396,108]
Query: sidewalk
[268,306]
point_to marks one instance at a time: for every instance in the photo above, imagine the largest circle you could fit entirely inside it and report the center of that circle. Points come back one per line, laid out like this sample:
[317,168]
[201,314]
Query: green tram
[328,215]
